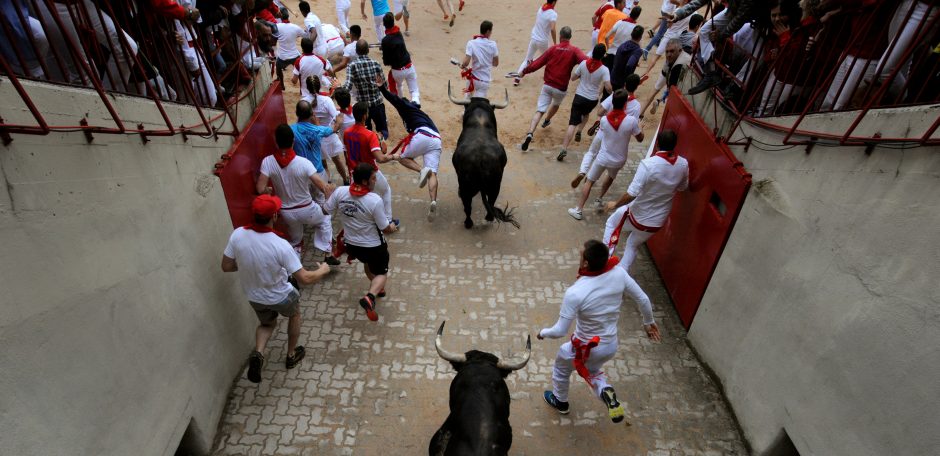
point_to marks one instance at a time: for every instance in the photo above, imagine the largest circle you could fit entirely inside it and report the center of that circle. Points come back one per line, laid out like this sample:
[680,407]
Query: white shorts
[331,146]
[597,169]
[480,88]
[398,5]
[549,96]
[422,145]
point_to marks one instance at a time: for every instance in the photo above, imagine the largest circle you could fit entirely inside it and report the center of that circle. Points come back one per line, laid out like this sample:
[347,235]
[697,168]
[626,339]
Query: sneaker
[614,409]
[294,359]
[512,74]
[423,177]
[452,19]
[516,81]
[381,293]
[654,106]
[577,180]
[368,303]
[644,78]
[331,260]
[598,204]
[460,6]
[575,213]
[546,123]
[646,54]
[650,33]
[550,399]
[432,211]
[577,137]
[561,155]
[528,139]
[594,128]
[407,33]
[255,362]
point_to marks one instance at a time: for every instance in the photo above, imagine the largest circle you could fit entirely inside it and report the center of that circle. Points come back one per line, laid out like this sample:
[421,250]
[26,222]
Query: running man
[365,146]
[644,208]
[310,65]
[395,54]
[449,12]
[593,304]
[349,51]
[342,15]
[595,78]
[327,115]
[263,261]
[617,128]
[400,8]
[314,27]
[307,139]
[480,56]
[291,176]
[558,61]
[364,222]
[379,8]
[632,109]
[423,140]
[286,51]
[544,28]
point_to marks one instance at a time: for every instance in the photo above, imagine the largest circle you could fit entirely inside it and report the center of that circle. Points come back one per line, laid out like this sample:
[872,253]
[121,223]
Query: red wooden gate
[689,245]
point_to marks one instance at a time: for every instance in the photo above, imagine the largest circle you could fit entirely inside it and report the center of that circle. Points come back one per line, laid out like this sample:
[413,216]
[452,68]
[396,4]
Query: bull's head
[458,359]
[467,102]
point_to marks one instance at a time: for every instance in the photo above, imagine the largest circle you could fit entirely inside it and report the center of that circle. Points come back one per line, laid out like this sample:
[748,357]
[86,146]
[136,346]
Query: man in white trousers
[593,303]
[395,54]
[542,31]
[480,56]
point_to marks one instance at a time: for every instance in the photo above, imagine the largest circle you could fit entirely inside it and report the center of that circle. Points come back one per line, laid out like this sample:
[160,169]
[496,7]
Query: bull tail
[502,215]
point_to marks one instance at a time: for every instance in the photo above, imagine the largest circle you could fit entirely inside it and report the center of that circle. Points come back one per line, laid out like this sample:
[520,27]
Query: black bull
[478,423]
[479,158]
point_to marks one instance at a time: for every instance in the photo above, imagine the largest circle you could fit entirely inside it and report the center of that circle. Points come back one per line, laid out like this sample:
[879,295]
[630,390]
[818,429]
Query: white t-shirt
[676,29]
[544,19]
[655,183]
[333,39]
[264,262]
[291,183]
[481,52]
[287,35]
[362,216]
[348,120]
[613,152]
[590,85]
[632,108]
[594,304]
[668,7]
[311,65]
[622,31]
[350,51]
[326,111]
[312,21]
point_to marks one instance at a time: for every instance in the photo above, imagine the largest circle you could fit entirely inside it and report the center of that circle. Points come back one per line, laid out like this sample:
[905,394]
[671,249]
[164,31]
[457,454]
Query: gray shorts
[267,313]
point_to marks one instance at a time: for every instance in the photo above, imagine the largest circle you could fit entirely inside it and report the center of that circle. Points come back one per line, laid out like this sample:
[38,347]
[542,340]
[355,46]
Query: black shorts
[374,257]
[580,107]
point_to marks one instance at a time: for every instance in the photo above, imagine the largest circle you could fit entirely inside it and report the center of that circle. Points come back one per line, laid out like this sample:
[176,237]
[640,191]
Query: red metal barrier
[238,169]
[689,245]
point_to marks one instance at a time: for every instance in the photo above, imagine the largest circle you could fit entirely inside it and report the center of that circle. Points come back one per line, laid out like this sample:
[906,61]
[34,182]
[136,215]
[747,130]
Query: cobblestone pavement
[379,388]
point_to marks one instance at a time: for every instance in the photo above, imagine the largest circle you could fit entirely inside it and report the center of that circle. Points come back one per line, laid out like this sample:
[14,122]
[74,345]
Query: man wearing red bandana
[395,54]
[264,261]
[480,57]
[593,303]
[544,28]
[362,215]
[645,206]
[595,79]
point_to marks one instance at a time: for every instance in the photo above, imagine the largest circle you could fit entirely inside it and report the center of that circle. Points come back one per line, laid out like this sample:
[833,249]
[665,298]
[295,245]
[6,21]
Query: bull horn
[521,363]
[456,102]
[501,105]
[448,356]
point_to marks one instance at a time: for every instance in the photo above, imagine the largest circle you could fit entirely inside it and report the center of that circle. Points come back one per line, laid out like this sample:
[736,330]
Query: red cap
[266,205]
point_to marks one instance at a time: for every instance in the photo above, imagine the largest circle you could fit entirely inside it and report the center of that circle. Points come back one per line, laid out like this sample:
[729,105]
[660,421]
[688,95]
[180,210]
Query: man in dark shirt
[626,59]
[361,74]
[395,55]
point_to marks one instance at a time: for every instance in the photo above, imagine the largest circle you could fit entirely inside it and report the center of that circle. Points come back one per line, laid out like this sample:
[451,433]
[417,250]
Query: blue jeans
[659,33]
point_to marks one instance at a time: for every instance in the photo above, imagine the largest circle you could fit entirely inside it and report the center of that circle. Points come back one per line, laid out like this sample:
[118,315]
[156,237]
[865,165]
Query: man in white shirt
[480,56]
[314,27]
[363,218]
[291,176]
[632,109]
[593,304]
[329,116]
[349,51]
[646,205]
[286,51]
[542,31]
[309,65]
[264,262]
[617,128]
[335,42]
[594,77]
[619,34]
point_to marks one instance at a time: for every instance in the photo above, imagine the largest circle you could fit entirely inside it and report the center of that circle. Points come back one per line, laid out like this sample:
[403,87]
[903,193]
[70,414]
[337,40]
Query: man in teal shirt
[307,137]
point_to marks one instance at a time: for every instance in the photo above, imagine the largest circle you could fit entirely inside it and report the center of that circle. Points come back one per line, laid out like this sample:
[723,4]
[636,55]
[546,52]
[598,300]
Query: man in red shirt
[558,61]
[364,146]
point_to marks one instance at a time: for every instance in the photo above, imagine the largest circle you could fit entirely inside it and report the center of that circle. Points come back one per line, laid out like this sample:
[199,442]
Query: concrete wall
[823,316]
[118,327]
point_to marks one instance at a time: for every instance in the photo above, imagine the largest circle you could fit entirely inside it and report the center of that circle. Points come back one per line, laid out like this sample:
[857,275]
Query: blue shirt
[379,7]
[307,137]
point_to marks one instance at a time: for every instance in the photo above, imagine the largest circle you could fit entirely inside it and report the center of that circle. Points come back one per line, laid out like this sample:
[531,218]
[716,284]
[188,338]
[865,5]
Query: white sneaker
[598,204]
[432,210]
[423,177]
[575,213]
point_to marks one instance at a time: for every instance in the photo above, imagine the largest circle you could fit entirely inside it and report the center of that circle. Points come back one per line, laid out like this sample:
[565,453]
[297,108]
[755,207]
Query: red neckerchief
[548,6]
[358,190]
[593,64]
[611,262]
[347,110]
[392,30]
[629,19]
[478,36]
[665,156]
[284,158]
[616,117]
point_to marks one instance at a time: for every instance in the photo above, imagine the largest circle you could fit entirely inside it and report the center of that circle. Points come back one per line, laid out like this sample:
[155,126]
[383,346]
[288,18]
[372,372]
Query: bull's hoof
[490,217]
[468,224]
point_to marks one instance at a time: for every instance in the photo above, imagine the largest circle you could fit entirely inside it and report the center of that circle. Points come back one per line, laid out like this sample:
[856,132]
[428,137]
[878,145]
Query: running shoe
[368,303]
[598,204]
[331,260]
[460,6]
[561,155]
[575,213]
[381,293]
[546,123]
[654,106]
[594,128]
[516,82]
[512,74]
[294,358]
[577,137]
[550,399]
[255,362]
[452,19]
[614,409]
[577,180]
[432,211]
[528,139]
[423,177]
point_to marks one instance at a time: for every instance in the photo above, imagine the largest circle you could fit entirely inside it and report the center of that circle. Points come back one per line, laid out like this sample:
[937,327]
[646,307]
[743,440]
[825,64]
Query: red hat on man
[266,205]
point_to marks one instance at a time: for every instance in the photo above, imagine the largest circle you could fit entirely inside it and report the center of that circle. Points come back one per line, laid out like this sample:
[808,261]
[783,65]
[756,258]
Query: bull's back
[479,156]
